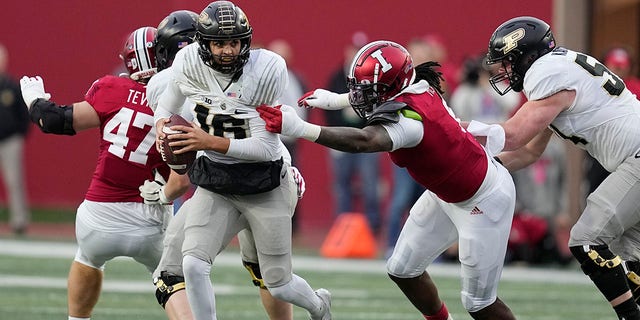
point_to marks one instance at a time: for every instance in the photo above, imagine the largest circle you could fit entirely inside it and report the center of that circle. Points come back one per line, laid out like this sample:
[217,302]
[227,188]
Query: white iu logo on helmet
[511,40]
[386,66]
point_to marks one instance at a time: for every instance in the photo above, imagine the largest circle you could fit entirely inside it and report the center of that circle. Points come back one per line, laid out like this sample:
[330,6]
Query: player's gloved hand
[153,192]
[324,99]
[299,180]
[283,119]
[32,89]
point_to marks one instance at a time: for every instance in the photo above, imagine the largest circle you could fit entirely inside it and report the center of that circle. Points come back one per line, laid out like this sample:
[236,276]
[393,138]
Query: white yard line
[46,249]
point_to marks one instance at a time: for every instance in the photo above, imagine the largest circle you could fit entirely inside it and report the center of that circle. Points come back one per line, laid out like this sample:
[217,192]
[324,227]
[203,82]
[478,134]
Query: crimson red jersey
[448,161]
[127,154]
[633,84]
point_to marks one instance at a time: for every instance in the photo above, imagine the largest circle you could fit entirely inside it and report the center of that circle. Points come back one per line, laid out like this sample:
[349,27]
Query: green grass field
[33,281]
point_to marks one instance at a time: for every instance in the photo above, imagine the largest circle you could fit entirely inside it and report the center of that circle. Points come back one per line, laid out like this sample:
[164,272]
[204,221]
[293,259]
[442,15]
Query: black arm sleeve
[52,118]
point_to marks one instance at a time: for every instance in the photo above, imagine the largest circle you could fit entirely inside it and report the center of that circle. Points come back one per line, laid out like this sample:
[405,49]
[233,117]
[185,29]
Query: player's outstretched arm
[283,119]
[533,117]
[51,117]
[526,155]
[84,116]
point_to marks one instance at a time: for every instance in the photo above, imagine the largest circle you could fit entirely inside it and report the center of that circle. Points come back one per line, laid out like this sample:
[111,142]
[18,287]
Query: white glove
[494,133]
[299,180]
[293,126]
[153,192]
[324,99]
[32,89]
[284,119]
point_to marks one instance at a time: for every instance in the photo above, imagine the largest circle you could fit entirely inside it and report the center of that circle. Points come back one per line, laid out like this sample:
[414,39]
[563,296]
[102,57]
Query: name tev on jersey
[137,97]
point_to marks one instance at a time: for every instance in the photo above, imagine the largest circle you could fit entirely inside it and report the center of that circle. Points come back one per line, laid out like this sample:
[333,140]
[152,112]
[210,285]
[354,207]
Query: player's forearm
[530,153]
[214,143]
[515,160]
[347,139]
[255,148]
[176,186]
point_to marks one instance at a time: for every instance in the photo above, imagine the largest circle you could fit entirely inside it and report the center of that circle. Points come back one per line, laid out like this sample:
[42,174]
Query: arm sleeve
[406,133]
[170,102]
[261,146]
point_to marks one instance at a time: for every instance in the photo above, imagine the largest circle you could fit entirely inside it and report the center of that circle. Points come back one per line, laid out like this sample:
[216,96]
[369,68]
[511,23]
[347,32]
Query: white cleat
[325,311]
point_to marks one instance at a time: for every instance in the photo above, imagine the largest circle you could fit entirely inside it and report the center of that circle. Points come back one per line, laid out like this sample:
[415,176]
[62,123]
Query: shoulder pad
[386,112]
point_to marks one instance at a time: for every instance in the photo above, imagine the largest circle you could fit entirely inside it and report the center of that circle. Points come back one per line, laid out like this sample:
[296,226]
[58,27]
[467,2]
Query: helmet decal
[386,66]
[511,40]
[226,19]
[204,19]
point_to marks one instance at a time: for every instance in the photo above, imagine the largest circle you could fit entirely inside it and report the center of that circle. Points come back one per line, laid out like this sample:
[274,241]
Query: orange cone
[350,237]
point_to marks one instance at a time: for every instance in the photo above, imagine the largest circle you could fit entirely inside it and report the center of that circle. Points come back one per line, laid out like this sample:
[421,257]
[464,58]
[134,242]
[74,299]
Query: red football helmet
[379,71]
[139,55]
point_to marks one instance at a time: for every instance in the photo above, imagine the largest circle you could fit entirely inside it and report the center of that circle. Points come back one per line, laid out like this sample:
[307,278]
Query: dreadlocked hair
[426,71]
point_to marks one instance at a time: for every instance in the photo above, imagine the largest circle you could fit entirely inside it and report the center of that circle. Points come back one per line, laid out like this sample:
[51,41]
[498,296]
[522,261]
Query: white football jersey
[156,86]
[604,119]
[229,111]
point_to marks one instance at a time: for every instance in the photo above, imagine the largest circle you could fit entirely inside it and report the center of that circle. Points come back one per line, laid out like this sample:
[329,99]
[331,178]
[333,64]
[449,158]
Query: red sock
[443,314]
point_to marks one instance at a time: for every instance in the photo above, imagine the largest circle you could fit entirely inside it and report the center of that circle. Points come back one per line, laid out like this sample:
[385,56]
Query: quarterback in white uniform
[575,96]
[240,170]
[174,32]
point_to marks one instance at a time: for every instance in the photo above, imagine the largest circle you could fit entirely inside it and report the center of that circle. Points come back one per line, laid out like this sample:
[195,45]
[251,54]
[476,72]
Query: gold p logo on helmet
[511,40]
[204,19]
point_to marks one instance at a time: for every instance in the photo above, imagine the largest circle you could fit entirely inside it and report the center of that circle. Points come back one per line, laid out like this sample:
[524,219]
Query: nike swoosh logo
[284,173]
[637,154]
[240,112]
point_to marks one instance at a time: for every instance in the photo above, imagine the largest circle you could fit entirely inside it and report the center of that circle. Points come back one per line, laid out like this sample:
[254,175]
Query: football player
[575,96]
[469,197]
[174,32]
[113,220]
[240,172]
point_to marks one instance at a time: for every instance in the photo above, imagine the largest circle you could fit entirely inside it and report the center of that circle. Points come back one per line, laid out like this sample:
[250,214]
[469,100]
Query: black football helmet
[175,31]
[223,21]
[379,71]
[516,44]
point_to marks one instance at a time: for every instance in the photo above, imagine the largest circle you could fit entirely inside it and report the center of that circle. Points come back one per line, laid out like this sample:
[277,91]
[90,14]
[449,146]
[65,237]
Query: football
[180,163]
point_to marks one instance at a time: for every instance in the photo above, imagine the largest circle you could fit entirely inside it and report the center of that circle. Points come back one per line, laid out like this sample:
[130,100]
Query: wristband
[163,196]
[342,100]
[311,132]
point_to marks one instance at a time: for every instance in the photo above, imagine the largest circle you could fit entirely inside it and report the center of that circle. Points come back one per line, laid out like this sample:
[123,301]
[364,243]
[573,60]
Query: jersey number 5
[614,85]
